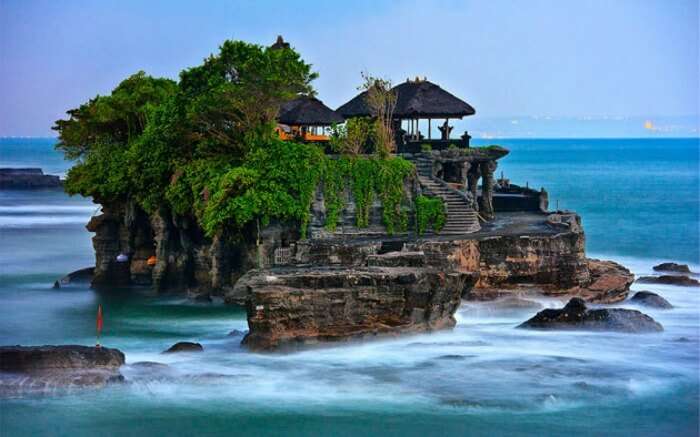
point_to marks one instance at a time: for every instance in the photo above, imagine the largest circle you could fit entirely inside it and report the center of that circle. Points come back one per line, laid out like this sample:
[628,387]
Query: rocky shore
[341,286]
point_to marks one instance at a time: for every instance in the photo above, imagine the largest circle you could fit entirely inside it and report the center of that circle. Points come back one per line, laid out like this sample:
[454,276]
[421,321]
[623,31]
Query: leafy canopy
[204,147]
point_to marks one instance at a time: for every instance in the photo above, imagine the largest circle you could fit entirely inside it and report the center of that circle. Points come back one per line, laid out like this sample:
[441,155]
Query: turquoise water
[639,202]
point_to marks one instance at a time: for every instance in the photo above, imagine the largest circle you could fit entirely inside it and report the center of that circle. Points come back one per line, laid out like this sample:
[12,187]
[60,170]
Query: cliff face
[185,260]
[307,306]
[344,286]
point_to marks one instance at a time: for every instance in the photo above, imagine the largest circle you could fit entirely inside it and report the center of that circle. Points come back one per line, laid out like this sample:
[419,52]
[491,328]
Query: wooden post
[429,129]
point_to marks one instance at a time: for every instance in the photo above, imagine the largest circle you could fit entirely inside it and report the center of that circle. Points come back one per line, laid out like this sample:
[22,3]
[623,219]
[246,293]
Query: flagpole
[98,324]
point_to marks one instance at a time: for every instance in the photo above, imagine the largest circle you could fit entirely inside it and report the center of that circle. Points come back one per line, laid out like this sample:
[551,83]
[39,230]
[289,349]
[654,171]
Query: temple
[418,100]
[447,167]
[306,119]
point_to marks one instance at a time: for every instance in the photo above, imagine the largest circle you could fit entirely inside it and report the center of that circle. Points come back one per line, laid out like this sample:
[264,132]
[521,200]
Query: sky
[518,61]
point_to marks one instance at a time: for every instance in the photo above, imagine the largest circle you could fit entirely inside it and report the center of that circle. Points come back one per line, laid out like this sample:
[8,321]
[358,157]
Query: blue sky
[512,59]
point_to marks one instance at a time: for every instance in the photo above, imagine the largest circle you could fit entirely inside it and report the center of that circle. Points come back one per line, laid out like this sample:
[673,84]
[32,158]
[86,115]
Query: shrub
[430,211]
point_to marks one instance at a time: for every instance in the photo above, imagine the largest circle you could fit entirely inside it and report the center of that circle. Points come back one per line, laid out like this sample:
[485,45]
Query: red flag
[99,319]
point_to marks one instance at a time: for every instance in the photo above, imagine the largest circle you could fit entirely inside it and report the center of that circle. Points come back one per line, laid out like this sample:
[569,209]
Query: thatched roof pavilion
[415,99]
[308,111]
[306,118]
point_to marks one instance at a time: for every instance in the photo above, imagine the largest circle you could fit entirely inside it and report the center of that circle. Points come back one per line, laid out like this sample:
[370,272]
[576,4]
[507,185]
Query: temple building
[306,119]
[419,103]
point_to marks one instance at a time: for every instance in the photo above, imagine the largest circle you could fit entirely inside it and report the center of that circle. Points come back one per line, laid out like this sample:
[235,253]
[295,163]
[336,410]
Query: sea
[639,200]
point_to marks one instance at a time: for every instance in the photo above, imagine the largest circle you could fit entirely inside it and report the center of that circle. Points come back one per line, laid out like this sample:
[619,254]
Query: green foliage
[369,178]
[233,98]
[452,147]
[354,137]
[430,211]
[389,184]
[113,119]
[102,174]
[276,181]
[426,147]
[204,147]
[335,174]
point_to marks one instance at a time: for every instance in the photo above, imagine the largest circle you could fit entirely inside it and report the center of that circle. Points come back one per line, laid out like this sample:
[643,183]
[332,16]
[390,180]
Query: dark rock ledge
[679,280]
[672,267]
[576,316]
[27,179]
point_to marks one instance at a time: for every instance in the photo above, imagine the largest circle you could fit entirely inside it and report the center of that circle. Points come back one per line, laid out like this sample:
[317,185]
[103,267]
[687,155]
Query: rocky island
[26,179]
[327,225]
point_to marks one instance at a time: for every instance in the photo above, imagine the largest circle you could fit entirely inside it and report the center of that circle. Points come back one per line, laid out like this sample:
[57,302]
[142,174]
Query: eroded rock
[28,369]
[649,299]
[184,346]
[309,306]
[672,267]
[610,283]
[679,280]
[82,276]
[576,316]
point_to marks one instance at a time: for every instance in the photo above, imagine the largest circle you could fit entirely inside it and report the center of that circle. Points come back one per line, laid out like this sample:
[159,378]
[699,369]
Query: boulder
[576,316]
[306,306]
[679,280]
[649,299]
[27,369]
[609,282]
[672,267]
[184,346]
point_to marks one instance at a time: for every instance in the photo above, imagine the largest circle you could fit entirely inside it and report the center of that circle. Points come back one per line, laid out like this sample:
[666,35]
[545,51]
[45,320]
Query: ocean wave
[20,222]
[25,209]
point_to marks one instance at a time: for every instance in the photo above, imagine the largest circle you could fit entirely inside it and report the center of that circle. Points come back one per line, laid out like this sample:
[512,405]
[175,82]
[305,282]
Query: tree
[115,119]
[381,100]
[234,97]
[352,138]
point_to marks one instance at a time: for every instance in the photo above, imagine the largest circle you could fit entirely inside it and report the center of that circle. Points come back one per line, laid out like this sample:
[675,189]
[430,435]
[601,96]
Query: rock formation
[42,368]
[672,267]
[27,179]
[407,282]
[680,280]
[649,299]
[576,316]
[310,305]
[184,346]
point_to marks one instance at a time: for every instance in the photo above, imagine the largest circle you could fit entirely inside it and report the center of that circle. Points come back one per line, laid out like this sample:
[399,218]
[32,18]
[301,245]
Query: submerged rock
[672,267]
[679,280]
[184,346]
[576,316]
[647,298]
[82,276]
[43,368]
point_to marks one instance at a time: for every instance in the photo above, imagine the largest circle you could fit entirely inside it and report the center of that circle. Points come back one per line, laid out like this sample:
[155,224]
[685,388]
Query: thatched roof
[415,99]
[307,111]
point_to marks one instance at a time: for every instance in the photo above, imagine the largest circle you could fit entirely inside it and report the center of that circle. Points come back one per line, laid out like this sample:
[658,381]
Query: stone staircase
[461,216]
